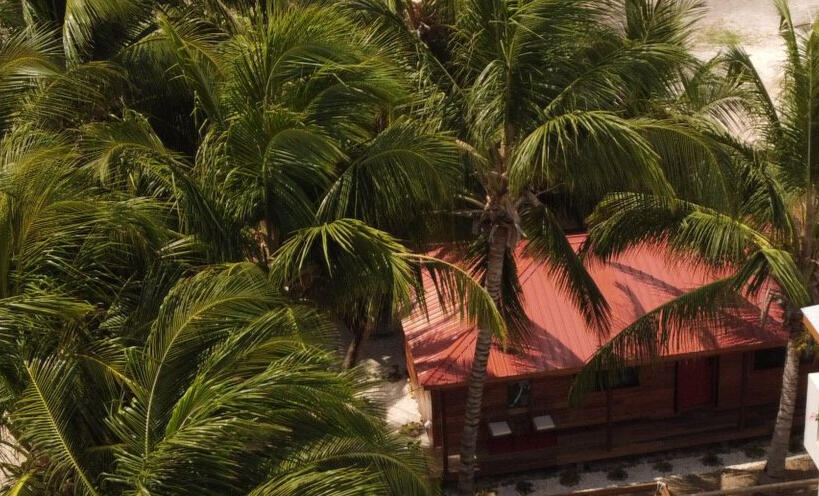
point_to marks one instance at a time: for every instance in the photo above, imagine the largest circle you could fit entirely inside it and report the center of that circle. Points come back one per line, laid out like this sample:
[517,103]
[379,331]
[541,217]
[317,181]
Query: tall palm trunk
[474,398]
[778,450]
[360,335]
[362,325]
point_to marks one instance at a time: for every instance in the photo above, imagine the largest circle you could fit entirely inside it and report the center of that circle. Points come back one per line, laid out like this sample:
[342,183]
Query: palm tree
[222,386]
[120,378]
[301,116]
[764,228]
[309,119]
[228,393]
[115,384]
[545,97]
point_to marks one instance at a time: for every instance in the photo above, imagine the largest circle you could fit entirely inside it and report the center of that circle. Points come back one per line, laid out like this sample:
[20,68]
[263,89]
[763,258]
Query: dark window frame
[628,377]
[769,358]
[519,394]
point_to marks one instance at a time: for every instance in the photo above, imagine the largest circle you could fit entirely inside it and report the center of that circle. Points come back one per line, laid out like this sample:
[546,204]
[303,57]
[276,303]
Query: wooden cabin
[717,384]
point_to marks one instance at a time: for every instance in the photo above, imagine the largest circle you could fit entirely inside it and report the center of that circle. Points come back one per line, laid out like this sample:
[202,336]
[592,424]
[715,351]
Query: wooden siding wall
[652,399]
[550,395]
[761,386]
[729,380]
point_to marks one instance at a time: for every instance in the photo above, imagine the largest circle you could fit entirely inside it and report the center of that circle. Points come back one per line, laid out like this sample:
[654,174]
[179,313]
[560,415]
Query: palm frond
[194,316]
[663,22]
[23,486]
[26,58]
[458,291]
[681,320]
[404,171]
[511,305]
[624,220]
[83,17]
[572,148]
[344,253]
[547,242]
[73,96]
[44,414]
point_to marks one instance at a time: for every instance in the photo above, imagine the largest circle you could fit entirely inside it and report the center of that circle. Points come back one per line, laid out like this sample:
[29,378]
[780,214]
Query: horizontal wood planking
[652,399]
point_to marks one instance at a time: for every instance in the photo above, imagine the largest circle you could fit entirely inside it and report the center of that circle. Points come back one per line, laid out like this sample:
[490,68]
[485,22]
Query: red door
[695,383]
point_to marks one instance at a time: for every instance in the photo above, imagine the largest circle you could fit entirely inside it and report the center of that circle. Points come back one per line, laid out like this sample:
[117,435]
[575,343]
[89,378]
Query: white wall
[811,423]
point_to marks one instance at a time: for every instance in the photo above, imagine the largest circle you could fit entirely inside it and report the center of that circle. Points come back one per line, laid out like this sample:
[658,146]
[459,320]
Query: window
[618,379]
[518,394]
[772,358]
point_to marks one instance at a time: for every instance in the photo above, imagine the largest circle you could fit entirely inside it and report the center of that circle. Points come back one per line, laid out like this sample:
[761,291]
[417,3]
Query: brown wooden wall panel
[729,381]
[763,386]
[652,399]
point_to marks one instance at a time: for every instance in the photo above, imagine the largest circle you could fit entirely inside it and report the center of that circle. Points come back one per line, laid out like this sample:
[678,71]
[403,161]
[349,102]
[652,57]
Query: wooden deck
[630,438]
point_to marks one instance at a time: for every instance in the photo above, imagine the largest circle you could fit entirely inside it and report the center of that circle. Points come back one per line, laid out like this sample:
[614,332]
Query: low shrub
[618,474]
[569,477]
[412,429]
[663,466]
[711,460]
[487,491]
[524,487]
[754,451]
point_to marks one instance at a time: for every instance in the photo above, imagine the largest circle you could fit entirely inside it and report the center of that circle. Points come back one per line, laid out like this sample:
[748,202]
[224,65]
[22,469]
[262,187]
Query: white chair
[499,429]
[543,423]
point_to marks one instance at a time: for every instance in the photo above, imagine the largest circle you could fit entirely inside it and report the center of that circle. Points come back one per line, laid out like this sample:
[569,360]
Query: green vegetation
[618,474]
[754,451]
[569,477]
[524,487]
[756,219]
[711,460]
[191,196]
[663,467]
[720,37]
[197,197]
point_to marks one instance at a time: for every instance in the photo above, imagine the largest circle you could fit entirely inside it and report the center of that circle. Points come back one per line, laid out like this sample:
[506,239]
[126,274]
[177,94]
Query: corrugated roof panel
[633,284]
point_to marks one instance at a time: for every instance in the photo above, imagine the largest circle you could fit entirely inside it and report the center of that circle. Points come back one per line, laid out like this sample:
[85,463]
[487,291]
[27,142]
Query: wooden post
[676,386]
[442,414]
[608,419]
[743,385]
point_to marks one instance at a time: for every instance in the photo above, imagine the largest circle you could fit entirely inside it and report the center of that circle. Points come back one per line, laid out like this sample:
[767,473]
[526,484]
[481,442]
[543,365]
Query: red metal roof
[442,346]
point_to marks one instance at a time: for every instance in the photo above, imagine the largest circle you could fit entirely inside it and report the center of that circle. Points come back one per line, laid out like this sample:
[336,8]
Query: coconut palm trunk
[780,441]
[354,348]
[472,414]
[778,450]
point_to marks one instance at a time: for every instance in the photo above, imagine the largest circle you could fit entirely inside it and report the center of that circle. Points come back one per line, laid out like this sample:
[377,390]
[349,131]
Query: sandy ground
[753,24]
[798,467]
[383,357]
[8,456]
[694,474]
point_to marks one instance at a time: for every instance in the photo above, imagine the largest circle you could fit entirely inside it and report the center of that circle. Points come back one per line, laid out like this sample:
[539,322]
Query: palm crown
[124,373]
[283,141]
[549,99]
[761,229]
